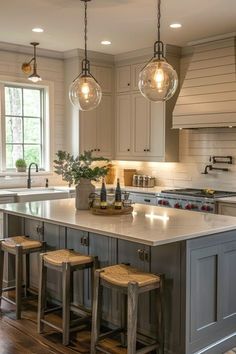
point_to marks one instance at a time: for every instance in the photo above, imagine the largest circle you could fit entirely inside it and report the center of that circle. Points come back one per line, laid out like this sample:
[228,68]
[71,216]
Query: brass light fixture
[27,67]
[85,92]
[158,80]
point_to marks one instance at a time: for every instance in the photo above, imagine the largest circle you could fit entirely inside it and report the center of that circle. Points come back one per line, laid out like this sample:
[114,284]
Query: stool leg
[66,274]
[96,311]
[19,266]
[123,298]
[27,273]
[132,316]
[161,316]
[1,272]
[42,293]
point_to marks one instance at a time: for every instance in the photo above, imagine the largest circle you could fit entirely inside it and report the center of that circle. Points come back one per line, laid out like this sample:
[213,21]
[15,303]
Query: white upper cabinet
[96,129]
[105,127]
[141,125]
[104,76]
[127,77]
[123,126]
[136,68]
[123,78]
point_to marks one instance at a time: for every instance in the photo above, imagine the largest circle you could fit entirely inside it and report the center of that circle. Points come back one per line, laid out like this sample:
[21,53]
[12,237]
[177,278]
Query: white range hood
[208,95]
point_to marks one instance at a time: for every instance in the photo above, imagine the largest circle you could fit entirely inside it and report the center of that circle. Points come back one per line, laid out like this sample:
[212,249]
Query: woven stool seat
[25,242]
[57,258]
[122,275]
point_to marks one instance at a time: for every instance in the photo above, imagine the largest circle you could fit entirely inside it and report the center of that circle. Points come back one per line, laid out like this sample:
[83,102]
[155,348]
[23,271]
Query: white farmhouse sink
[34,194]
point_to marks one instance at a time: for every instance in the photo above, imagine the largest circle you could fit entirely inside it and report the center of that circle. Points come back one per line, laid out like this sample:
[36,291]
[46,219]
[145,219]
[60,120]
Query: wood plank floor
[20,337]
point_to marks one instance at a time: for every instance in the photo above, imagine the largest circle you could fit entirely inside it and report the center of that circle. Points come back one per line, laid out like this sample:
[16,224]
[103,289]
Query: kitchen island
[196,252]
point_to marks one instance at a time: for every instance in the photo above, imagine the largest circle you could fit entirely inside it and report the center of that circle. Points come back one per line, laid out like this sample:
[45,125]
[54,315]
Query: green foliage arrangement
[20,163]
[73,169]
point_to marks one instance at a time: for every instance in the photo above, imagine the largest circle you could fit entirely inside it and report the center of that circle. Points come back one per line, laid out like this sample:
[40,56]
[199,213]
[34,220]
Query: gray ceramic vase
[83,191]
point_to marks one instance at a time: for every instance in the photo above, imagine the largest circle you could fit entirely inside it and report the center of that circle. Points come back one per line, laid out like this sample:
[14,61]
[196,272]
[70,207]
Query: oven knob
[177,206]
[204,208]
[209,208]
[160,202]
[188,206]
[165,202]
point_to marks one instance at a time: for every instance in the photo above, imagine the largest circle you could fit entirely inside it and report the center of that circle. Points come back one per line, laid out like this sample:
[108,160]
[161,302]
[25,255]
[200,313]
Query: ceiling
[129,24]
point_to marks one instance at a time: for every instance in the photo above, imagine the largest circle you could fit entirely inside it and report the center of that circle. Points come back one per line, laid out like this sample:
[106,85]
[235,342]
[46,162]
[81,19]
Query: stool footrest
[59,329]
[56,308]
[78,322]
[80,310]
[109,333]
[8,300]
[148,349]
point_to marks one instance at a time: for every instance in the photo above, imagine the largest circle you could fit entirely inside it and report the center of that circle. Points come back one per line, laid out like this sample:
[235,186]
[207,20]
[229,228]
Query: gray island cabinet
[195,251]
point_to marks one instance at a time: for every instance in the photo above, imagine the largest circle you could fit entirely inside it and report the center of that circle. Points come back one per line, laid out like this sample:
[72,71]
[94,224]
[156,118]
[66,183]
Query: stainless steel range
[192,199]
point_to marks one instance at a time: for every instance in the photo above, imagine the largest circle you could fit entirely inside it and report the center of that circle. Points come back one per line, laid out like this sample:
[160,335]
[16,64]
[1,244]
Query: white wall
[51,70]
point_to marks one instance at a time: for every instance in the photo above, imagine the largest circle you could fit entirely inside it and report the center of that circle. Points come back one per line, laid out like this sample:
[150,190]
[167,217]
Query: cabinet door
[141,127]
[123,78]
[104,127]
[88,130]
[227,209]
[123,126]
[104,77]
[136,68]
[156,132]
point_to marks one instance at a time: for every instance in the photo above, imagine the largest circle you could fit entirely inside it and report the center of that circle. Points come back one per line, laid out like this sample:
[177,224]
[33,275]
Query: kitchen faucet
[29,173]
[210,168]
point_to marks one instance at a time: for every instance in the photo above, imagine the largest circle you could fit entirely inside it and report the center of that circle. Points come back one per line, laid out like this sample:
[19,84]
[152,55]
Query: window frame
[47,123]
[23,117]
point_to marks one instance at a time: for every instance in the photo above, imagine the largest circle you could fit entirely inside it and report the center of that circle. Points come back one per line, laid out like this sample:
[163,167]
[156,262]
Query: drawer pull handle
[147,200]
[141,254]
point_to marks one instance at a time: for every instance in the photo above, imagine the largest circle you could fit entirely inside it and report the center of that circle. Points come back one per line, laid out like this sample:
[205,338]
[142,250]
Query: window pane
[13,101]
[31,100]
[13,130]
[32,153]
[32,130]
[13,153]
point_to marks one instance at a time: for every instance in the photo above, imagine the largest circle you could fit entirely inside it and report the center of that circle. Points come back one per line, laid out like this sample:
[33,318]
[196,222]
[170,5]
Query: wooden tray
[112,211]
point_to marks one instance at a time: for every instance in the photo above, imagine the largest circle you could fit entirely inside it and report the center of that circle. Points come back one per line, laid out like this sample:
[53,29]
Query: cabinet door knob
[148,150]
[95,150]
[99,150]
[141,254]
[128,84]
[144,150]
[128,149]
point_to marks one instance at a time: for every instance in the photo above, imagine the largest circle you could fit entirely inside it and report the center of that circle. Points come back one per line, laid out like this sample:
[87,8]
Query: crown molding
[27,49]
[212,39]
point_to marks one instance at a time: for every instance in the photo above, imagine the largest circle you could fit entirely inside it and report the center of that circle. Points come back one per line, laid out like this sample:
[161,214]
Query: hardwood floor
[20,337]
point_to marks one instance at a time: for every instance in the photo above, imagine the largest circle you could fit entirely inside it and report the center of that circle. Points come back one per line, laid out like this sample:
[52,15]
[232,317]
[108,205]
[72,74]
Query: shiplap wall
[51,70]
[196,146]
[208,93]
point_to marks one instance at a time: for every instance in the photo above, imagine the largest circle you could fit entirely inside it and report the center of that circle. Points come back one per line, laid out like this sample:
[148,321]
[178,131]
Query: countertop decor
[81,170]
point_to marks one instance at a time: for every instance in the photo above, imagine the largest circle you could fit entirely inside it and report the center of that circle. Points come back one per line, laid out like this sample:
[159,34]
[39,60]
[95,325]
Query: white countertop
[6,193]
[150,225]
[231,200]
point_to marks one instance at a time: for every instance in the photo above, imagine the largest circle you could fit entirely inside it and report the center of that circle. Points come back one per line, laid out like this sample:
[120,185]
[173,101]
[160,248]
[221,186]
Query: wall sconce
[27,67]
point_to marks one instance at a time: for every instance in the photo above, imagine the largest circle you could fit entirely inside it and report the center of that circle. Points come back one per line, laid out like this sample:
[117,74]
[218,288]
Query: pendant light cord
[85,30]
[159,20]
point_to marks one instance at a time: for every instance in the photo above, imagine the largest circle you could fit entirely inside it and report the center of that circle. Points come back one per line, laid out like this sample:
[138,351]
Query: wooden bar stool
[130,282]
[64,261]
[19,246]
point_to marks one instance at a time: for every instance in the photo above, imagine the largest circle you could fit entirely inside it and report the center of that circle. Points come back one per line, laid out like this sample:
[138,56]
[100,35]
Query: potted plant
[81,170]
[20,165]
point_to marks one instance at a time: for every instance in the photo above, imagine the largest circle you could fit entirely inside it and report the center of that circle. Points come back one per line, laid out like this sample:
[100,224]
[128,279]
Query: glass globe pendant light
[158,80]
[85,92]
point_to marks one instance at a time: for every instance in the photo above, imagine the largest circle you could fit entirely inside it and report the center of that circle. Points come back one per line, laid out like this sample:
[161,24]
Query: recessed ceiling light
[37,29]
[105,42]
[175,25]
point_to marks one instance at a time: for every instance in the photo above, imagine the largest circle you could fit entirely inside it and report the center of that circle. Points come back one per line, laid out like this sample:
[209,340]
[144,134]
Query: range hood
[208,95]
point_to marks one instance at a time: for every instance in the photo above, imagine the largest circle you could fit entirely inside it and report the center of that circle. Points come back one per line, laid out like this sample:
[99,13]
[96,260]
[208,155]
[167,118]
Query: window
[24,125]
